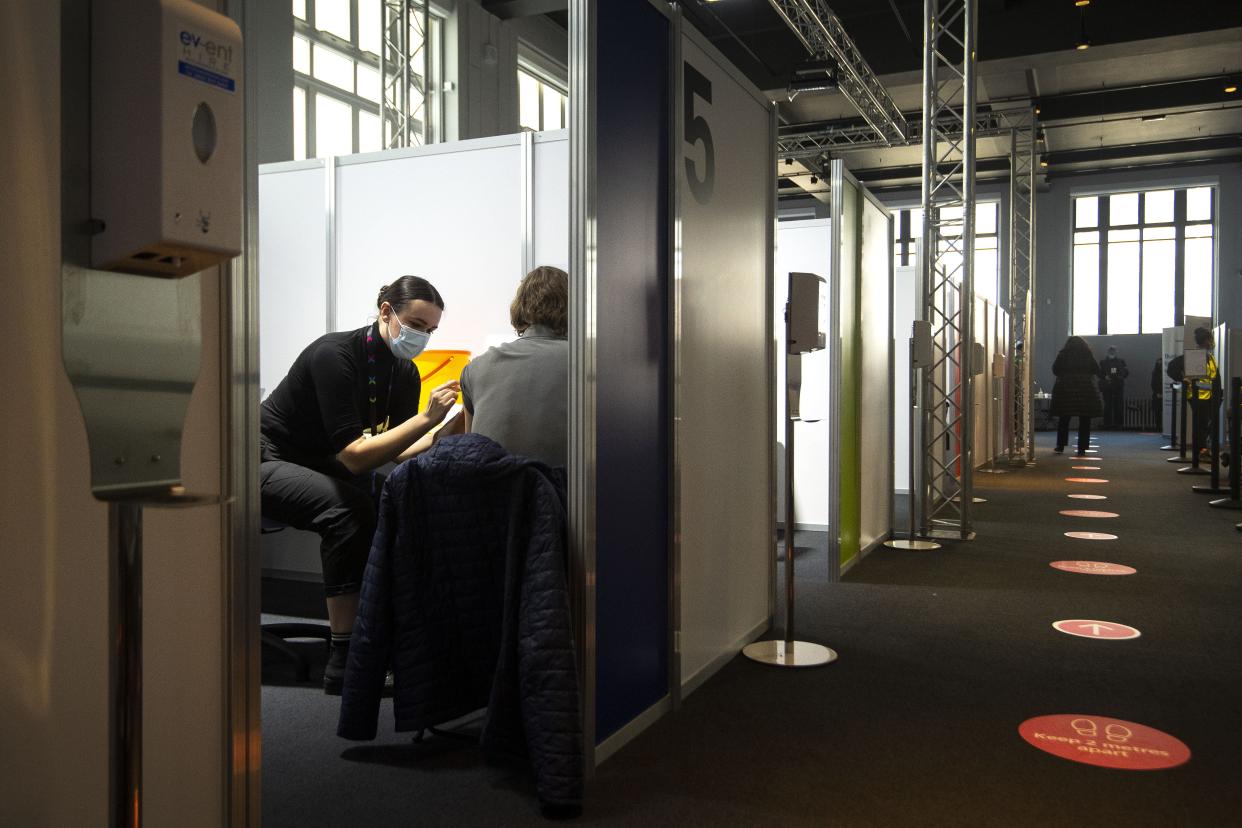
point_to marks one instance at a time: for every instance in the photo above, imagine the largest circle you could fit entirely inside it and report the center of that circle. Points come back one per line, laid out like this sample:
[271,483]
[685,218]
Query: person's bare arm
[453,426]
[367,453]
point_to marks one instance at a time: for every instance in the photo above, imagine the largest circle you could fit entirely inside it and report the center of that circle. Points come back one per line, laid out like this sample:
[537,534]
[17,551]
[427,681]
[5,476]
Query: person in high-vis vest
[1204,393]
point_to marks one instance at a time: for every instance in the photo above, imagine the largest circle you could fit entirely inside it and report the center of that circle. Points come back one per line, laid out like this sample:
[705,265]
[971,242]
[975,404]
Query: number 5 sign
[702,180]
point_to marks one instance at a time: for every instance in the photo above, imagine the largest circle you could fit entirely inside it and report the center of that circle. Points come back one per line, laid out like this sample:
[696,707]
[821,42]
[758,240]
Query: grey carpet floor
[942,656]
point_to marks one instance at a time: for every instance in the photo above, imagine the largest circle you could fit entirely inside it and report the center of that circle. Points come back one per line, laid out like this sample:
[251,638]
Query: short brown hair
[542,299]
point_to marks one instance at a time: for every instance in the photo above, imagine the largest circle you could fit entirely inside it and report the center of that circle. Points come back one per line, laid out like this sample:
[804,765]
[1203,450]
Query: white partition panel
[803,247]
[905,299]
[875,400]
[725,445]
[293,265]
[552,199]
[451,213]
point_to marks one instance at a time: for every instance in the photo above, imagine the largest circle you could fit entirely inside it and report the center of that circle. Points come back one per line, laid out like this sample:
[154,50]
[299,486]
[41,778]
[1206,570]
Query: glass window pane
[987,276]
[1087,237]
[1087,211]
[334,127]
[299,9]
[1199,231]
[1158,284]
[1199,205]
[528,101]
[369,26]
[334,68]
[368,132]
[299,123]
[368,83]
[1123,209]
[333,16]
[1086,320]
[551,108]
[1159,233]
[1123,235]
[301,55]
[1157,206]
[985,218]
[1197,286]
[1123,287]
[916,222]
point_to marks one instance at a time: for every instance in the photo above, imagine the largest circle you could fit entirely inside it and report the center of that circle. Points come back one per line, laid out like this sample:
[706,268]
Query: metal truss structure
[799,144]
[1022,171]
[823,35]
[945,492]
[403,70]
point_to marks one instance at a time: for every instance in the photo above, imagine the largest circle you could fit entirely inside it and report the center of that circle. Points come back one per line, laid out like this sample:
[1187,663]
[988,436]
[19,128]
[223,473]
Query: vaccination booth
[470,216]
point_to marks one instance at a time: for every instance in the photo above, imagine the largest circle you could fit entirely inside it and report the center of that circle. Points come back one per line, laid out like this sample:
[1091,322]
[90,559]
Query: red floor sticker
[1085,468]
[1093,567]
[1083,628]
[1105,742]
[1088,497]
[1086,480]
[1088,513]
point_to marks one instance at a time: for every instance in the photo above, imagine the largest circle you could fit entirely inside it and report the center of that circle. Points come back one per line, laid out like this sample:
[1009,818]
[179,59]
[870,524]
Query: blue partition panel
[632,516]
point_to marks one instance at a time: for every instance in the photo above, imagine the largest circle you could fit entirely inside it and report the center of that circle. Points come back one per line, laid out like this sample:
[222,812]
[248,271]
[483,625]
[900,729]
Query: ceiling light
[1082,2]
[1043,163]
[1083,44]
[1159,117]
[1231,86]
[1084,41]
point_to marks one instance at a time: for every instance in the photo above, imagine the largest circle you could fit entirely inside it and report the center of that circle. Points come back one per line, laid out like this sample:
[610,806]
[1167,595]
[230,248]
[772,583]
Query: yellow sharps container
[436,368]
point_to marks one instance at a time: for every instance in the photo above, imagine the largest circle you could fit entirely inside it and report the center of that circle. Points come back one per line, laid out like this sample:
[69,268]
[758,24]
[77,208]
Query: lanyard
[372,387]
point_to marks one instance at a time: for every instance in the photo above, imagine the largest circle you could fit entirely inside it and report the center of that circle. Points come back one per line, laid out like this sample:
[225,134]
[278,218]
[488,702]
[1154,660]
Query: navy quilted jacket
[466,590]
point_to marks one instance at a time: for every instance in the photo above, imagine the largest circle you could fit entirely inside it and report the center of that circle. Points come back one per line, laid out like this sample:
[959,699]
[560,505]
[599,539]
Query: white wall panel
[804,247]
[452,217]
[293,267]
[726,445]
[552,199]
[905,299]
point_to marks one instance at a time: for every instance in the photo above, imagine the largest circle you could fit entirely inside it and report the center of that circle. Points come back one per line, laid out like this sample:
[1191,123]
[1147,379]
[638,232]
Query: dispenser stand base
[782,653]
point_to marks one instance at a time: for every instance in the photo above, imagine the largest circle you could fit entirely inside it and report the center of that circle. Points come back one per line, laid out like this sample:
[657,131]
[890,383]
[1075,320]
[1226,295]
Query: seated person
[348,406]
[518,393]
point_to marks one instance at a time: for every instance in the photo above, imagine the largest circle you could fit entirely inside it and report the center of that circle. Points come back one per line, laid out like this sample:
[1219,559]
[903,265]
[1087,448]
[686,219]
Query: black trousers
[340,510]
[1084,433]
[1204,414]
[1114,405]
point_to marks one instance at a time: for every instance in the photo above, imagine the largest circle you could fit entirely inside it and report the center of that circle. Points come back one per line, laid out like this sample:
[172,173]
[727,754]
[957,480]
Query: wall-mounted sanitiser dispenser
[166,137]
[807,313]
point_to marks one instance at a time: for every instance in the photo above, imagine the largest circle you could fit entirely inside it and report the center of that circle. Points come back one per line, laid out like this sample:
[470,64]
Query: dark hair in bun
[407,289]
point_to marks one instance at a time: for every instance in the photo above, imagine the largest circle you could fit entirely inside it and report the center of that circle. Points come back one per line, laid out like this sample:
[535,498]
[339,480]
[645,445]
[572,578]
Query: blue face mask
[409,343]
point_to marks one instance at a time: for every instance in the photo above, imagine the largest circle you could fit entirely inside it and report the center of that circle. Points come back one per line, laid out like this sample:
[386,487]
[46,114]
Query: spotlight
[788,162]
[1039,137]
[1082,2]
[1043,163]
[1231,86]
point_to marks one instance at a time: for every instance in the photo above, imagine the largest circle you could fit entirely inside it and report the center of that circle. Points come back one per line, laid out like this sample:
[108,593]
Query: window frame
[905,243]
[1179,224]
[546,80]
[351,50]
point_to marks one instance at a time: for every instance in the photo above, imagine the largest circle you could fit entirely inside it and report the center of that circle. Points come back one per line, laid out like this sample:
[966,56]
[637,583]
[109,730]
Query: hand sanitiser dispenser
[166,137]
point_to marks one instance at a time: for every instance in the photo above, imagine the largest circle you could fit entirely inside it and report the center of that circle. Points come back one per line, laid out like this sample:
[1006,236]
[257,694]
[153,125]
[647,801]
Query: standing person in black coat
[1075,393]
[1113,373]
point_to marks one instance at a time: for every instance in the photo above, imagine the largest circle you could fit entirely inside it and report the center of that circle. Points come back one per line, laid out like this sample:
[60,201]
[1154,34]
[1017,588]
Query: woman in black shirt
[348,406]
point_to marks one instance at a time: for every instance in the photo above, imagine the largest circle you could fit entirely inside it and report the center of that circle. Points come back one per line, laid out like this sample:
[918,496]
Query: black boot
[334,670]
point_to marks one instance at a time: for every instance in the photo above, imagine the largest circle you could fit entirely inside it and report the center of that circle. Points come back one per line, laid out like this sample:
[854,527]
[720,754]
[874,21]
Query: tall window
[541,100]
[337,82]
[1142,260]
[908,228]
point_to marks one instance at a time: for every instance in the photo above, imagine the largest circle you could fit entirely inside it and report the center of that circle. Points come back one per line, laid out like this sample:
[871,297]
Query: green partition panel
[847,234]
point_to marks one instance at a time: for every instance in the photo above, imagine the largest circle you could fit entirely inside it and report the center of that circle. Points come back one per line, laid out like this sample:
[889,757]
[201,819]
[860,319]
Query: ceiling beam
[1149,97]
[511,9]
[1181,146]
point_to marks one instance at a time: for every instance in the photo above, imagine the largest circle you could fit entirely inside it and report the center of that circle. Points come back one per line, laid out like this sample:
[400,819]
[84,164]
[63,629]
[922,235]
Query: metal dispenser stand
[802,335]
[920,358]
